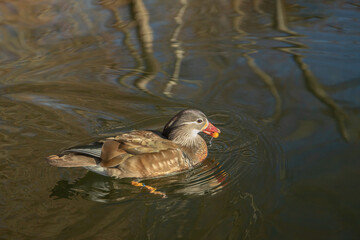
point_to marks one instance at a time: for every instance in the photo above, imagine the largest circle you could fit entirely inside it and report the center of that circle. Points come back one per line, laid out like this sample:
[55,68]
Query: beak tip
[212,130]
[215,134]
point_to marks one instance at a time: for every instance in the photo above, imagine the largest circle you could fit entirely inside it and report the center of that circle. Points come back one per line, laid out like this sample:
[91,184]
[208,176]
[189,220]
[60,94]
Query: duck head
[184,127]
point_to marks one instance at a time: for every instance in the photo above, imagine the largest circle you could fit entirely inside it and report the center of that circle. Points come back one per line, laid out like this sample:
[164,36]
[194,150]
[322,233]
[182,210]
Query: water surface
[279,78]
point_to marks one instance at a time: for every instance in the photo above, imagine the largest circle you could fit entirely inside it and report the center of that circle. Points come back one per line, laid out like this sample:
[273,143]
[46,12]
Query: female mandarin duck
[144,154]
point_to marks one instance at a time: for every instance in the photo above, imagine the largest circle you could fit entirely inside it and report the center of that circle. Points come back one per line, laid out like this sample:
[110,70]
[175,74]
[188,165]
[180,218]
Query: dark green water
[281,79]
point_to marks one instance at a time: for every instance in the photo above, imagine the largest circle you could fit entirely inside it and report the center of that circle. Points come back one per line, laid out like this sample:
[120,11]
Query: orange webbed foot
[152,190]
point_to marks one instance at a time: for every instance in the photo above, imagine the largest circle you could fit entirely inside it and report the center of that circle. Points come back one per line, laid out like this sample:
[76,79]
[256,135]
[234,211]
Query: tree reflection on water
[279,77]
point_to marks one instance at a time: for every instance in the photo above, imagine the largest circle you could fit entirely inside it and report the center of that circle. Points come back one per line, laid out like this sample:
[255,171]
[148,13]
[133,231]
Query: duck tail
[71,160]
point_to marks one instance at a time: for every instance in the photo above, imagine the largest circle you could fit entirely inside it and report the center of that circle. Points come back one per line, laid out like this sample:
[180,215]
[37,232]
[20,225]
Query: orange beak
[212,130]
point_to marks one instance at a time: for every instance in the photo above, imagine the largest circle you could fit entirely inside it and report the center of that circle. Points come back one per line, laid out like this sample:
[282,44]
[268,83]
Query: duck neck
[188,139]
[193,145]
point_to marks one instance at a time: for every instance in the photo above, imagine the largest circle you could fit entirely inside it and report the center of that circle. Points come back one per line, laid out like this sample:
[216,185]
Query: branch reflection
[312,83]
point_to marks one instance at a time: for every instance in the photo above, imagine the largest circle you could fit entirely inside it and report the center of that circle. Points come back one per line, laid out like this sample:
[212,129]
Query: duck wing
[135,145]
[142,154]
[132,154]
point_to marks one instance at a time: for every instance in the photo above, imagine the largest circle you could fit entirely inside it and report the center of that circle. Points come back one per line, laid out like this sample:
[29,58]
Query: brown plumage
[142,154]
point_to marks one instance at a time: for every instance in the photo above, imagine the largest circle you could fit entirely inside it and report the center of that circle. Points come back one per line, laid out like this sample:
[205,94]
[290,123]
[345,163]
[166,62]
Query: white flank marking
[97,169]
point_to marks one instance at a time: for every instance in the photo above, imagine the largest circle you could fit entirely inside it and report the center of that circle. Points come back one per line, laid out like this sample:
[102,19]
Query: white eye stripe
[188,123]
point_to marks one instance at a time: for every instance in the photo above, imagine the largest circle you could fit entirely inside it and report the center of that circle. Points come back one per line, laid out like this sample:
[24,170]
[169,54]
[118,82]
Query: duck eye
[199,121]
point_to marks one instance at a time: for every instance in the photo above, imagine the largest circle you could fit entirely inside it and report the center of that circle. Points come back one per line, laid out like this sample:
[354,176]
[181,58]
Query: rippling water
[279,78]
[233,159]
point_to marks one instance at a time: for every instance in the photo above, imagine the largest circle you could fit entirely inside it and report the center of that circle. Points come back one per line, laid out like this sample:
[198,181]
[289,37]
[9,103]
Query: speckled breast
[202,152]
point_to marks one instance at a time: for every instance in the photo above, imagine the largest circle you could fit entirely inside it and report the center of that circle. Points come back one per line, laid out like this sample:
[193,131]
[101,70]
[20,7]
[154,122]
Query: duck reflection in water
[207,178]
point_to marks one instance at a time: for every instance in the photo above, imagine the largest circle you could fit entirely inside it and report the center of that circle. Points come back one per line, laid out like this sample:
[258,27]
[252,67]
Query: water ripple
[242,153]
